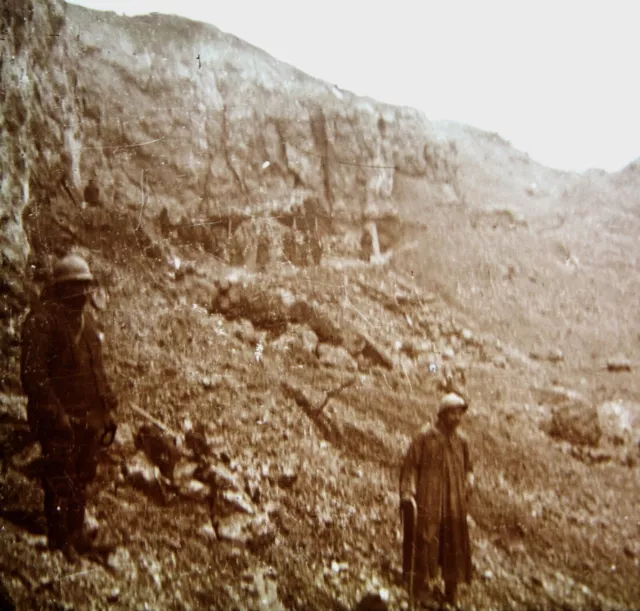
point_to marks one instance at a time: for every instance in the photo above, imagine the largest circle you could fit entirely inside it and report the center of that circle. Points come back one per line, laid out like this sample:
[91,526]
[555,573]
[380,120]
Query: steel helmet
[72,268]
[452,400]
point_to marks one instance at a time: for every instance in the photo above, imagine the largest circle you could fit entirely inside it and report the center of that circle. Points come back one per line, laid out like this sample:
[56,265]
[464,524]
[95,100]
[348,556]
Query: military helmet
[72,268]
[452,400]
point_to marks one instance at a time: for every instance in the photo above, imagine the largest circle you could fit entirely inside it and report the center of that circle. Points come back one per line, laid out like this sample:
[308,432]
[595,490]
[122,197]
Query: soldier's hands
[108,433]
[407,510]
[471,484]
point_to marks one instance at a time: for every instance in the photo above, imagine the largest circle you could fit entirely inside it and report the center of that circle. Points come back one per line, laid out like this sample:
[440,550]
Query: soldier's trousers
[68,467]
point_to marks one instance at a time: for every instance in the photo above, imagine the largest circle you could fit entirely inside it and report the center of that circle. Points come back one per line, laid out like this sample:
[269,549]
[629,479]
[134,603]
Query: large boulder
[336,357]
[576,423]
[620,420]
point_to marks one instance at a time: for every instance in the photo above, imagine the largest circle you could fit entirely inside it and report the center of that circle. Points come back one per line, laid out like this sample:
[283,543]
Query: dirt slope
[279,486]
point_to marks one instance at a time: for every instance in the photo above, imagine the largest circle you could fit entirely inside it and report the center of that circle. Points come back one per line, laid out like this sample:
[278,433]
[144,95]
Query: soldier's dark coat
[434,473]
[63,375]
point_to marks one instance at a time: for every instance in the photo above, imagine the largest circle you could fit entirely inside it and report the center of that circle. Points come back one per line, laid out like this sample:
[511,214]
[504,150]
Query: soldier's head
[450,411]
[72,282]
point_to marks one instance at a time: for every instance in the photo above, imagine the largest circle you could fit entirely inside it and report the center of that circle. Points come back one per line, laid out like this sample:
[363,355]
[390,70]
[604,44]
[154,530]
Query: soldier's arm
[409,470]
[468,467]
[109,400]
[37,351]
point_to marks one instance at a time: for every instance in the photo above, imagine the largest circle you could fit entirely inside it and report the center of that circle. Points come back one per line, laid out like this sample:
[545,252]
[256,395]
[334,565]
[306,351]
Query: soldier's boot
[450,592]
[75,521]
[82,542]
[55,510]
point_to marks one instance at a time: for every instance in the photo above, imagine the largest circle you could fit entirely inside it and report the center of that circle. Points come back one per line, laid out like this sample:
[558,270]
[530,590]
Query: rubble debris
[245,529]
[559,395]
[159,447]
[287,478]
[312,400]
[555,355]
[237,501]
[218,477]
[576,423]
[142,474]
[195,490]
[618,364]
[336,357]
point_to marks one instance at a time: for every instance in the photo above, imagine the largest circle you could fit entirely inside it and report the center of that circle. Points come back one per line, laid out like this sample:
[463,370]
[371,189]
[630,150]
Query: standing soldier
[289,246]
[263,251]
[316,247]
[366,245]
[435,480]
[236,248]
[92,193]
[70,403]
[304,249]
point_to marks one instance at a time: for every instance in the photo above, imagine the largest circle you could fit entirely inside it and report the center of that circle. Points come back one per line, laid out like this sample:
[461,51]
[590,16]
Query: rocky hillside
[176,116]
[267,395]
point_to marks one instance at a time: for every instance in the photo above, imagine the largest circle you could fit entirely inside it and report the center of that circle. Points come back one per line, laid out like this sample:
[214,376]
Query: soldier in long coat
[70,402]
[434,487]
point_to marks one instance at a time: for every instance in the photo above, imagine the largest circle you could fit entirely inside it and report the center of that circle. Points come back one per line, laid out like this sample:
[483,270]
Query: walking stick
[413,524]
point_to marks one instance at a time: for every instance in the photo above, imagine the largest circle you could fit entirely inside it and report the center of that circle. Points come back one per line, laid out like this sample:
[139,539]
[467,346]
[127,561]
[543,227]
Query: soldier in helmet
[92,193]
[366,245]
[435,483]
[263,251]
[70,403]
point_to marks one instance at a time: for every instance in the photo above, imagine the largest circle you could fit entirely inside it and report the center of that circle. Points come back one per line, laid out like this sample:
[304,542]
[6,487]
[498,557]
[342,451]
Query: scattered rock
[299,342]
[124,439]
[159,447]
[195,490]
[287,478]
[618,364]
[305,396]
[267,591]
[244,331]
[308,338]
[536,581]
[553,356]
[113,595]
[448,354]
[556,355]
[122,563]
[620,420]
[336,357]
[184,471]
[196,440]
[208,531]
[91,524]
[218,477]
[560,395]
[591,456]
[142,474]
[244,529]
[576,423]
[500,361]
[372,601]
[237,501]
[252,488]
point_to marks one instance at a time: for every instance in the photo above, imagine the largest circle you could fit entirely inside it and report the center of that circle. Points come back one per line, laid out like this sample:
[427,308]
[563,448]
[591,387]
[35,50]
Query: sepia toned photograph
[323,306]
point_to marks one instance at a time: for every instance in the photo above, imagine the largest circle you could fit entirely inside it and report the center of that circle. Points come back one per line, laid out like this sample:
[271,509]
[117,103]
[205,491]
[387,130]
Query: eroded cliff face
[39,126]
[214,123]
[168,114]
